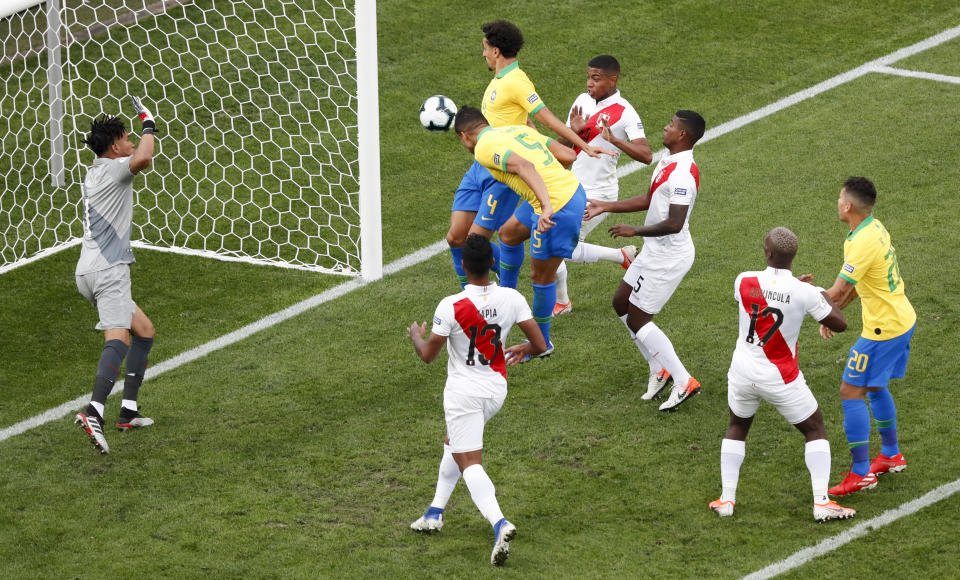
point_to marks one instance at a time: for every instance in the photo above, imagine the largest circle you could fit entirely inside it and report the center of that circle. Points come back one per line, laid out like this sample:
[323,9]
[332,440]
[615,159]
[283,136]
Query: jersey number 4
[768,311]
[492,333]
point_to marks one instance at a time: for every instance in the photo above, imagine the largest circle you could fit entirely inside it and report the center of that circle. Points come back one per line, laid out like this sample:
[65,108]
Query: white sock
[483,493]
[98,407]
[586,253]
[128,404]
[654,365]
[817,455]
[446,480]
[562,296]
[732,453]
[661,349]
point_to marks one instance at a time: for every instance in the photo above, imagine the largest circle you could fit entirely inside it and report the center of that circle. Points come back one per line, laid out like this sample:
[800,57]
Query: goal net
[261,115]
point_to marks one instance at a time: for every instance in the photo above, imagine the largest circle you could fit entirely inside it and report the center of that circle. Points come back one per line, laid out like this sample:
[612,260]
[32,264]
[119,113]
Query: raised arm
[638,150]
[637,203]
[143,154]
[556,125]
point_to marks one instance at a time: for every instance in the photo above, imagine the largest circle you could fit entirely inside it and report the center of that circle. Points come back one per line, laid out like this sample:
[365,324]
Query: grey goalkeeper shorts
[109,291]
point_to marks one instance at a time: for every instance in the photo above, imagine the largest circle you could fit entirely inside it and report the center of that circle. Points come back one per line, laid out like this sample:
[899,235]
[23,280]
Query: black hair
[477,255]
[606,63]
[861,190]
[693,123]
[104,132]
[467,119]
[504,35]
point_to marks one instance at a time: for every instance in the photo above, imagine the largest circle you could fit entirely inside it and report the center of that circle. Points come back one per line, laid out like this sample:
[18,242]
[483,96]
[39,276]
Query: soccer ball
[437,113]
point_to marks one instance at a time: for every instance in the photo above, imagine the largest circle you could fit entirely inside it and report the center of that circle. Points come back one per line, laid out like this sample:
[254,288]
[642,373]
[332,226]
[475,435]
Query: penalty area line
[828,545]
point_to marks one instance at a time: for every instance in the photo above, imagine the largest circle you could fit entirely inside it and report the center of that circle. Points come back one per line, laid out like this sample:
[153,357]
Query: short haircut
[504,35]
[862,191]
[104,132]
[693,123]
[606,63]
[477,255]
[783,242]
[468,119]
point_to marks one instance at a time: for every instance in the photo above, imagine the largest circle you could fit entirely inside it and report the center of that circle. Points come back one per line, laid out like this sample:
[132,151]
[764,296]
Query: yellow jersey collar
[508,68]
[862,225]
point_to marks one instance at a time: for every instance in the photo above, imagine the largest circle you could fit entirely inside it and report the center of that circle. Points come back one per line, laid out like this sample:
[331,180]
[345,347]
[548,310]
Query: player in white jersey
[666,256]
[604,119]
[103,271]
[773,304]
[474,325]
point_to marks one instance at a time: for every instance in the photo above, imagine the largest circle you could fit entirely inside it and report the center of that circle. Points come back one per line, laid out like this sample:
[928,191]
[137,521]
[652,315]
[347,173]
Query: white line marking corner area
[880,65]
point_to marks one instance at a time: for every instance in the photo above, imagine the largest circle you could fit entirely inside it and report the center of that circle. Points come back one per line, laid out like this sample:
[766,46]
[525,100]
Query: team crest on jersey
[848,268]
[603,119]
[680,191]
[533,98]
[493,95]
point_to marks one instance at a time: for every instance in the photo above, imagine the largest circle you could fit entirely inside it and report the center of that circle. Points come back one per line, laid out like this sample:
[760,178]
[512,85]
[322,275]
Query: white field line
[228,339]
[863,528]
[434,249]
[915,74]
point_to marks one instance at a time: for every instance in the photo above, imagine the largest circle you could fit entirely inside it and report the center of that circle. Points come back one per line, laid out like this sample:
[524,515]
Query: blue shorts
[560,240]
[491,200]
[873,363]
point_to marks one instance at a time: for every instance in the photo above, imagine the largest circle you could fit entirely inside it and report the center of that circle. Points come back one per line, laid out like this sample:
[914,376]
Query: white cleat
[427,525]
[501,544]
[723,508]
[91,425]
[679,395]
[629,254]
[831,510]
[658,382]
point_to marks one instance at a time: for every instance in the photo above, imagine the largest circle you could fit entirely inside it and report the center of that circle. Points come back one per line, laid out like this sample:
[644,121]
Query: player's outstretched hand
[593,209]
[577,121]
[514,354]
[825,333]
[545,223]
[622,231]
[598,151]
[808,278]
[417,331]
[146,117]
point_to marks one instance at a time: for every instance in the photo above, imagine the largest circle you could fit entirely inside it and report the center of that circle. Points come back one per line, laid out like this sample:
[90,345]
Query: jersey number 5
[490,331]
[755,313]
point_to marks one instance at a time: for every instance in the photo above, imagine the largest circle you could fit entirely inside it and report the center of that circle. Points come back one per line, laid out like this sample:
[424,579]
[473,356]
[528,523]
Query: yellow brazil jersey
[870,262]
[496,144]
[510,97]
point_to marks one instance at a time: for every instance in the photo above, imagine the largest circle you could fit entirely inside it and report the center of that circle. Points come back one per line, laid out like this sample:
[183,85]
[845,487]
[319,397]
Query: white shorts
[599,194]
[654,279]
[466,415]
[109,291]
[793,400]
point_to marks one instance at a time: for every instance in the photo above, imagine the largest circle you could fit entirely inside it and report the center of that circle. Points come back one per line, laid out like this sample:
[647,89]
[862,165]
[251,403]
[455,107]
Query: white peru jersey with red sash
[476,323]
[675,181]
[601,172]
[772,306]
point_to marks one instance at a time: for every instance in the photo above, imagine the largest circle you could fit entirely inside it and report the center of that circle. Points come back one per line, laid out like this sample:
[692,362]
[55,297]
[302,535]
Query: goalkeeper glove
[146,117]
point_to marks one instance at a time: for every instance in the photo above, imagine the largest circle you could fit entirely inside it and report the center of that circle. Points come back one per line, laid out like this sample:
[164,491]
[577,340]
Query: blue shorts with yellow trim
[562,238]
[872,363]
[492,200]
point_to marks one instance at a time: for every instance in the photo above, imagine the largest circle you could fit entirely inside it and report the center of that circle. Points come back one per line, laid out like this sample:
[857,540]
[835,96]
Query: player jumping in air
[772,306]
[474,325]
[870,269]
[103,271]
[602,117]
[666,257]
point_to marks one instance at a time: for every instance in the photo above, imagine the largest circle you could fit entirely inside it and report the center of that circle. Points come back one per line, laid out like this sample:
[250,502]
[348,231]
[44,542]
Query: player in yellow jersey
[870,270]
[510,99]
[550,217]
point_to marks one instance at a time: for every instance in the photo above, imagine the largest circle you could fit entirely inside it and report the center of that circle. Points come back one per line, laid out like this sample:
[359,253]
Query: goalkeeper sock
[108,369]
[137,359]
[817,455]
[457,255]
[856,424]
[885,414]
[732,453]
[511,258]
[544,297]
[483,493]
[447,480]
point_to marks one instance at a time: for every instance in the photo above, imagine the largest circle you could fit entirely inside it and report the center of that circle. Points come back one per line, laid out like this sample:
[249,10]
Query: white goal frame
[362,253]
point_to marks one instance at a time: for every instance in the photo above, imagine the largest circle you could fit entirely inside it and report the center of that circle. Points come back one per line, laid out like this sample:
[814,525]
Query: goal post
[267,115]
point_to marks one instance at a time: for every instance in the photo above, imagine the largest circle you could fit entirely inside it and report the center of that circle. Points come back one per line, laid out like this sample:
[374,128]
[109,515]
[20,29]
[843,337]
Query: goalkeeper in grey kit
[103,271]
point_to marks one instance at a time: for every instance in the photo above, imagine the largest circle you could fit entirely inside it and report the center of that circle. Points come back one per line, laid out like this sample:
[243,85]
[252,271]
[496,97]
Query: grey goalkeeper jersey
[107,215]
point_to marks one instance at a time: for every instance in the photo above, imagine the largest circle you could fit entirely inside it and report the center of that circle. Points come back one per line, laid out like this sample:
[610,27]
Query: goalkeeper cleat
[629,253]
[559,309]
[431,521]
[503,533]
[853,483]
[132,420]
[679,395]
[723,508]
[884,464]
[92,426]
[658,382]
[831,510]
